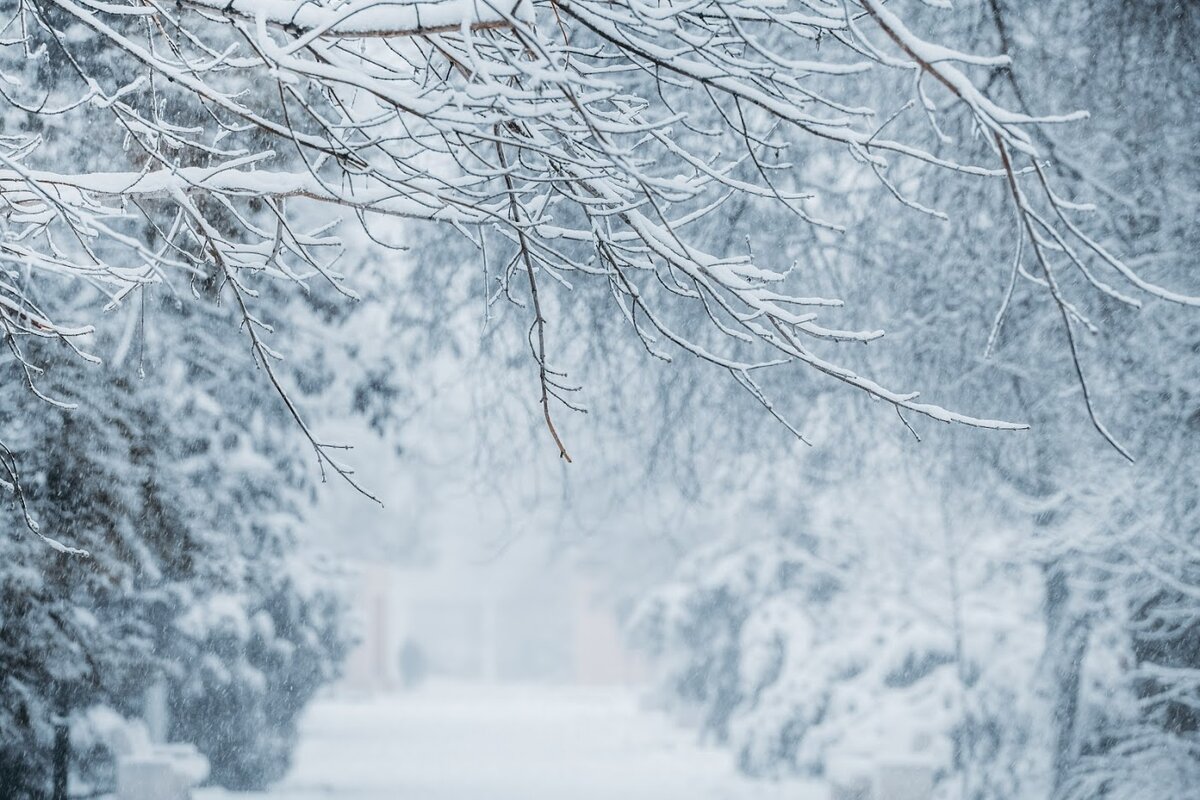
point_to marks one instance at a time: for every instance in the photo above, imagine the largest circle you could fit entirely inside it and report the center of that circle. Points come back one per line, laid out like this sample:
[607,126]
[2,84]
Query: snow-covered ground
[472,742]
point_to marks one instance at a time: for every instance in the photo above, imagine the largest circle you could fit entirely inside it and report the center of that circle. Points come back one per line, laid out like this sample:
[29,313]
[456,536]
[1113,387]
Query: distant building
[518,618]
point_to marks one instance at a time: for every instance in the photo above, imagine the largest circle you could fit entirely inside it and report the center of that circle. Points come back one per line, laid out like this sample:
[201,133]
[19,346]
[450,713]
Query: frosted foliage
[848,346]
[796,669]
[590,140]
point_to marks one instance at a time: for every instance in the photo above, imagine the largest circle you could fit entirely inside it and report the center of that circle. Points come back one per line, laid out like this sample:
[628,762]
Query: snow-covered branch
[619,127]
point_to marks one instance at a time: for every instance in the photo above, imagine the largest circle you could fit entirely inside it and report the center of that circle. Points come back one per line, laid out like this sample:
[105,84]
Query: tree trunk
[62,748]
[1066,640]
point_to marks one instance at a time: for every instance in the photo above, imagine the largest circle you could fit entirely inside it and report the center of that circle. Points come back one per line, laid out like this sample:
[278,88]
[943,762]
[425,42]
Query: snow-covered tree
[825,633]
[1099,707]
[185,485]
[707,176]
[245,665]
[587,139]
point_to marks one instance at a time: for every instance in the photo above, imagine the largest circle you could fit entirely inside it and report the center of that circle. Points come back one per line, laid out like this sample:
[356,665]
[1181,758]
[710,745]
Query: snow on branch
[370,19]
[25,190]
[597,137]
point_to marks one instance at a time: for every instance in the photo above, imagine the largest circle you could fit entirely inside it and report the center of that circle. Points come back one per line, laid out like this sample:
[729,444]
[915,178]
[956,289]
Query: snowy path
[504,743]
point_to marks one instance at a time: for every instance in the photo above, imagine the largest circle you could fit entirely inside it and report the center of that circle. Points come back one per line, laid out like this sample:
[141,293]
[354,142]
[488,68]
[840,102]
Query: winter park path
[468,742]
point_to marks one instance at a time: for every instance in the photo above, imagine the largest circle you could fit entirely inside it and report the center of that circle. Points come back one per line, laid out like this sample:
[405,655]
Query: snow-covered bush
[76,631]
[789,664]
[182,484]
[248,667]
[801,653]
